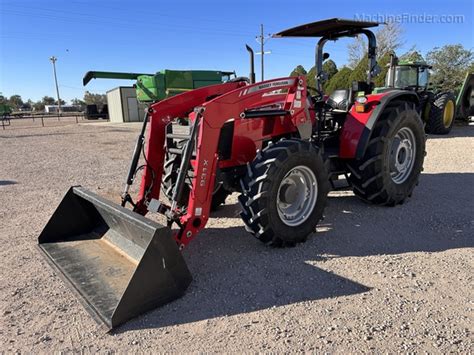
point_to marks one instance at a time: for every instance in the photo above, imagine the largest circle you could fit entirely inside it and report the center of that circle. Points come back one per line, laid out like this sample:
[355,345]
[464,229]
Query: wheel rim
[448,114]
[402,155]
[297,195]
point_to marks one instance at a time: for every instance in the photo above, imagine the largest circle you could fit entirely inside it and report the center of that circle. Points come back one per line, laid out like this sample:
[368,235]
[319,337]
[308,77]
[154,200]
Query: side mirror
[376,70]
[323,77]
[325,56]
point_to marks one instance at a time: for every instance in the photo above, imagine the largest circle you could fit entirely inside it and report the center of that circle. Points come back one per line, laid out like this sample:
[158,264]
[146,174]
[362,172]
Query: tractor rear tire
[284,192]
[172,164]
[393,160]
[442,114]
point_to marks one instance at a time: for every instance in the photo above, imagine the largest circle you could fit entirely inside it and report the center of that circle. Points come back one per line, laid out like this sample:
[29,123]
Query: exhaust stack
[252,64]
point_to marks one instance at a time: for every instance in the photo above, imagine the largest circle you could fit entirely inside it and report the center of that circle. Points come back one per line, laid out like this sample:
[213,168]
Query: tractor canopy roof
[414,63]
[334,27]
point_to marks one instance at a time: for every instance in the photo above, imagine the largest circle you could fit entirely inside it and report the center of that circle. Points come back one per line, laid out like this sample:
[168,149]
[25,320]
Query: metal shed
[123,105]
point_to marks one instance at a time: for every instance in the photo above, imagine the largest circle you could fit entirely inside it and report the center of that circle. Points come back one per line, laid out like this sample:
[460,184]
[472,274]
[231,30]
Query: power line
[261,39]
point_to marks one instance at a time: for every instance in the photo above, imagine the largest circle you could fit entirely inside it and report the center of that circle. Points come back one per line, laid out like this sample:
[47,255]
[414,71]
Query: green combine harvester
[165,83]
[465,99]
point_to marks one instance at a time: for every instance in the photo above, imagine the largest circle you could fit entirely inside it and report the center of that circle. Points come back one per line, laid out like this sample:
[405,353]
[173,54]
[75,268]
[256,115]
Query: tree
[357,49]
[3,99]
[78,102]
[311,79]
[27,106]
[330,68]
[360,71]
[383,62]
[340,80]
[471,68]
[95,99]
[450,64]
[299,70]
[15,101]
[38,106]
[62,102]
[48,100]
[389,39]
[412,55]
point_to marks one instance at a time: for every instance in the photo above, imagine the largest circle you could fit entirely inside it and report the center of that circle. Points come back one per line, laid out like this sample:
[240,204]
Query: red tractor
[273,142]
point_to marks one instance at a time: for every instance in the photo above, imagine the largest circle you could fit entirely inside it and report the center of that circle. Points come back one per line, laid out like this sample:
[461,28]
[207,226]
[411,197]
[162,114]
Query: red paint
[354,126]
[233,99]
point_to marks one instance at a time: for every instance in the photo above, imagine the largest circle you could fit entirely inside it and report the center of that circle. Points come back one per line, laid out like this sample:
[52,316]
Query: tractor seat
[340,100]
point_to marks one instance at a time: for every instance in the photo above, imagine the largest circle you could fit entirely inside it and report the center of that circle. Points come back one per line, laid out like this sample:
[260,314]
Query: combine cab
[272,142]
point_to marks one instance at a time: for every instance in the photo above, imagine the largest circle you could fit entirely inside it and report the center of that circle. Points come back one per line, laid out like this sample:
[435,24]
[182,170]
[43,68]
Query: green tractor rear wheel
[441,113]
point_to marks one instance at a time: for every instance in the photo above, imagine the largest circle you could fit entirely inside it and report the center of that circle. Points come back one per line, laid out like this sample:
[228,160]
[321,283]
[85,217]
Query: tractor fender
[357,129]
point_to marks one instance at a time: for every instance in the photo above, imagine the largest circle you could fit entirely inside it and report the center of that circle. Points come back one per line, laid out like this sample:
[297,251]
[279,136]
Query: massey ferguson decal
[272,84]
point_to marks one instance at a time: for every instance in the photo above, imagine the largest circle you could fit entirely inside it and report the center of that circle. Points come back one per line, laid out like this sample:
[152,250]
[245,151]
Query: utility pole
[53,60]
[261,40]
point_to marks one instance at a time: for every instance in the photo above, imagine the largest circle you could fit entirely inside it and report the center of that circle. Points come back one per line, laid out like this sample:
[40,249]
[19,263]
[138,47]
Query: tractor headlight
[361,100]
[360,104]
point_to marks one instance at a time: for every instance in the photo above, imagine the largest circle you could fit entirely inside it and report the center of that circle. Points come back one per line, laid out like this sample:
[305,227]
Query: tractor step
[117,262]
[178,151]
[178,136]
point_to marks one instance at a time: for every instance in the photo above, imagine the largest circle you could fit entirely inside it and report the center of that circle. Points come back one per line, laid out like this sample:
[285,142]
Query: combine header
[272,142]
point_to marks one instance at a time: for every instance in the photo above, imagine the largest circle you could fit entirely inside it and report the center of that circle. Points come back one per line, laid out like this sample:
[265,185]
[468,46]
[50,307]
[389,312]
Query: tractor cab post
[373,69]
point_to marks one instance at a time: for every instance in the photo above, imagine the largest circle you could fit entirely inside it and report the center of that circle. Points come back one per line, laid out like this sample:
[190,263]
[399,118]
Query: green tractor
[5,110]
[5,113]
[165,83]
[437,107]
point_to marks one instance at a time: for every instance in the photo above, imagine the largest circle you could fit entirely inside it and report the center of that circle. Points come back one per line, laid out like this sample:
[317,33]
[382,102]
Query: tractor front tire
[442,113]
[171,167]
[284,192]
[393,160]
[170,176]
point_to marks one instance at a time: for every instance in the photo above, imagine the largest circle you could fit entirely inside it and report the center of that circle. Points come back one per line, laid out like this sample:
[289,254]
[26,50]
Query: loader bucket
[119,263]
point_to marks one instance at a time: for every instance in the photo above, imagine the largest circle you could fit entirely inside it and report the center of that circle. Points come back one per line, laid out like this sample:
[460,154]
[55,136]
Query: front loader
[273,142]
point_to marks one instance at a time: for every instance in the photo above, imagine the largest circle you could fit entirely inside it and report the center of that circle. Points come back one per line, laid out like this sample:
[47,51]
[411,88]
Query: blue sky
[147,36]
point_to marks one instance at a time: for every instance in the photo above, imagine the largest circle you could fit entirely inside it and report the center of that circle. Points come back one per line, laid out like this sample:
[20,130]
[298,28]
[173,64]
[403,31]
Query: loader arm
[161,114]
[210,118]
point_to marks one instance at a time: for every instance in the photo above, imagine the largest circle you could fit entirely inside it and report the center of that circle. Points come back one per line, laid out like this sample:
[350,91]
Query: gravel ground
[372,279]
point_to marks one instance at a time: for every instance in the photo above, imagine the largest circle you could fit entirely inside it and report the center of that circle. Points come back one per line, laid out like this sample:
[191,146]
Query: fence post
[42,121]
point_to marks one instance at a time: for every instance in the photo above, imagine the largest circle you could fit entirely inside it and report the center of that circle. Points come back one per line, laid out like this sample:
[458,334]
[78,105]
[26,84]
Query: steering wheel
[319,94]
